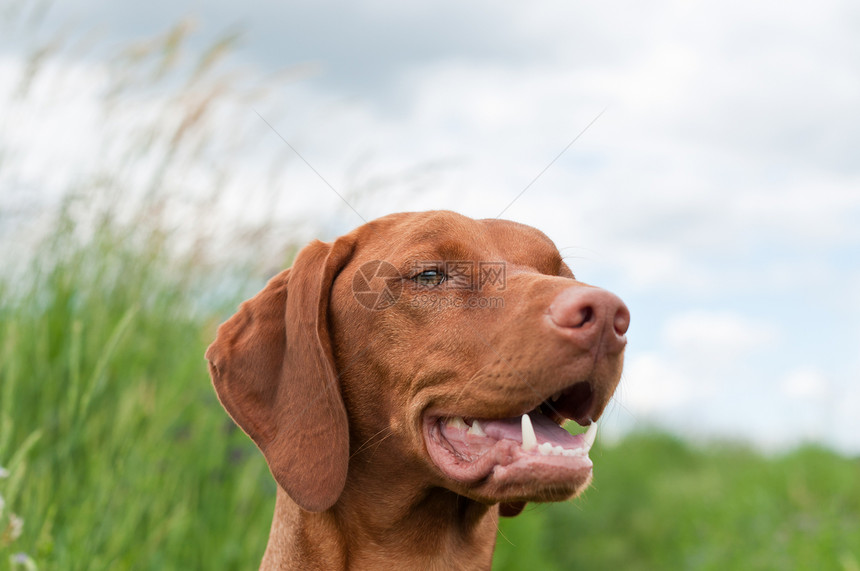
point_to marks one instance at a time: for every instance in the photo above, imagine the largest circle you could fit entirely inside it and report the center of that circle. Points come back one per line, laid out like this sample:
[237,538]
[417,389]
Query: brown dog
[406,383]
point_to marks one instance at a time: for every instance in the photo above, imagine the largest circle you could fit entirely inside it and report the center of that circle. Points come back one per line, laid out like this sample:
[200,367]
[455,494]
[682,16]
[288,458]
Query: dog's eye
[430,278]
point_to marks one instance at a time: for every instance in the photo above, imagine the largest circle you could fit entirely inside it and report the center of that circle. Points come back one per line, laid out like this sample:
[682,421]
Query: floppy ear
[273,370]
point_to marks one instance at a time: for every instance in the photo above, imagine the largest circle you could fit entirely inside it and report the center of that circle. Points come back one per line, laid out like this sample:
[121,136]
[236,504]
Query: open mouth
[526,451]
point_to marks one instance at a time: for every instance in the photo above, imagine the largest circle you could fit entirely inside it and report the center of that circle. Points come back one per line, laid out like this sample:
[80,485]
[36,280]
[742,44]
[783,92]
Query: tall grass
[124,460]
[115,452]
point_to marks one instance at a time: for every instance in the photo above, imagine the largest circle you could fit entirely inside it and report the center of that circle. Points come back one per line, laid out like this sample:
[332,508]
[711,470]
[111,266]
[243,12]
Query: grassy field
[116,454]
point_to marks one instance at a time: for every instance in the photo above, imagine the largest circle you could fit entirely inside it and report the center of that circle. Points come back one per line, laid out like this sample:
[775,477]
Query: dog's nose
[590,315]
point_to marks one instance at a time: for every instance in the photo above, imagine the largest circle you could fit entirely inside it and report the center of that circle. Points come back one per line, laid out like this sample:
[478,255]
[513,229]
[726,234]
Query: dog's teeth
[545,448]
[590,435]
[476,429]
[529,438]
[457,422]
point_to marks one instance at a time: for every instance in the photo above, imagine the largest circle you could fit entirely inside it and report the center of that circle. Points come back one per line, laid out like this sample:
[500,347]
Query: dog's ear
[273,370]
[511,509]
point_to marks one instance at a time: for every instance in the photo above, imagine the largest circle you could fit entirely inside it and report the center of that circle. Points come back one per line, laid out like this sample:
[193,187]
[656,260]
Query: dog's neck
[426,529]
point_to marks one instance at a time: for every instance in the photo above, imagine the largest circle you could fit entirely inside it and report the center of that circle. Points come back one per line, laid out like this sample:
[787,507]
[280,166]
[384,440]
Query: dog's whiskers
[374,440]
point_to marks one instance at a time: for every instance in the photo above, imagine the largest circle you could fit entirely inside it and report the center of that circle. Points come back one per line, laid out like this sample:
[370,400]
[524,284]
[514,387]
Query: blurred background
[159,161]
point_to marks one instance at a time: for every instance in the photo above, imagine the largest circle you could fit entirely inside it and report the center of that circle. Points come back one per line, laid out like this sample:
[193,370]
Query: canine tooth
[545,448]
[590,435]
[457,422]
[476,429]
[529,438]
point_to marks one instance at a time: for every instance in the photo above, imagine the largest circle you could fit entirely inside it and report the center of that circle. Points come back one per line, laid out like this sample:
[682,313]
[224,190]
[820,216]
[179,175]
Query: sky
[699,159]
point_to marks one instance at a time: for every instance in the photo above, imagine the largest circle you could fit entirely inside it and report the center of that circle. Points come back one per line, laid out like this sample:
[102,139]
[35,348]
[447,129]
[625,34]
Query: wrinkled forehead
[427,236]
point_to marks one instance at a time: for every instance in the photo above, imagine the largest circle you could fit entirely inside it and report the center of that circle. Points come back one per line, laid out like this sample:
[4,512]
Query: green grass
[125,458]
[120,457]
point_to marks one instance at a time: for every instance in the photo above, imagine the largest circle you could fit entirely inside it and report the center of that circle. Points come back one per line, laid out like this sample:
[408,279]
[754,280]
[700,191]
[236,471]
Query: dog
[406,384]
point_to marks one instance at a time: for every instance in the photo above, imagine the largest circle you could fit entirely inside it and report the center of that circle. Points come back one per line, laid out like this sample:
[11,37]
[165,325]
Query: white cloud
[718,335]
[51,134]
[652,386]
[806,385]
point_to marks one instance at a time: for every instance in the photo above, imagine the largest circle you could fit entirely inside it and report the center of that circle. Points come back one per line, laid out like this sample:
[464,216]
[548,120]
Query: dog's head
[426,348]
